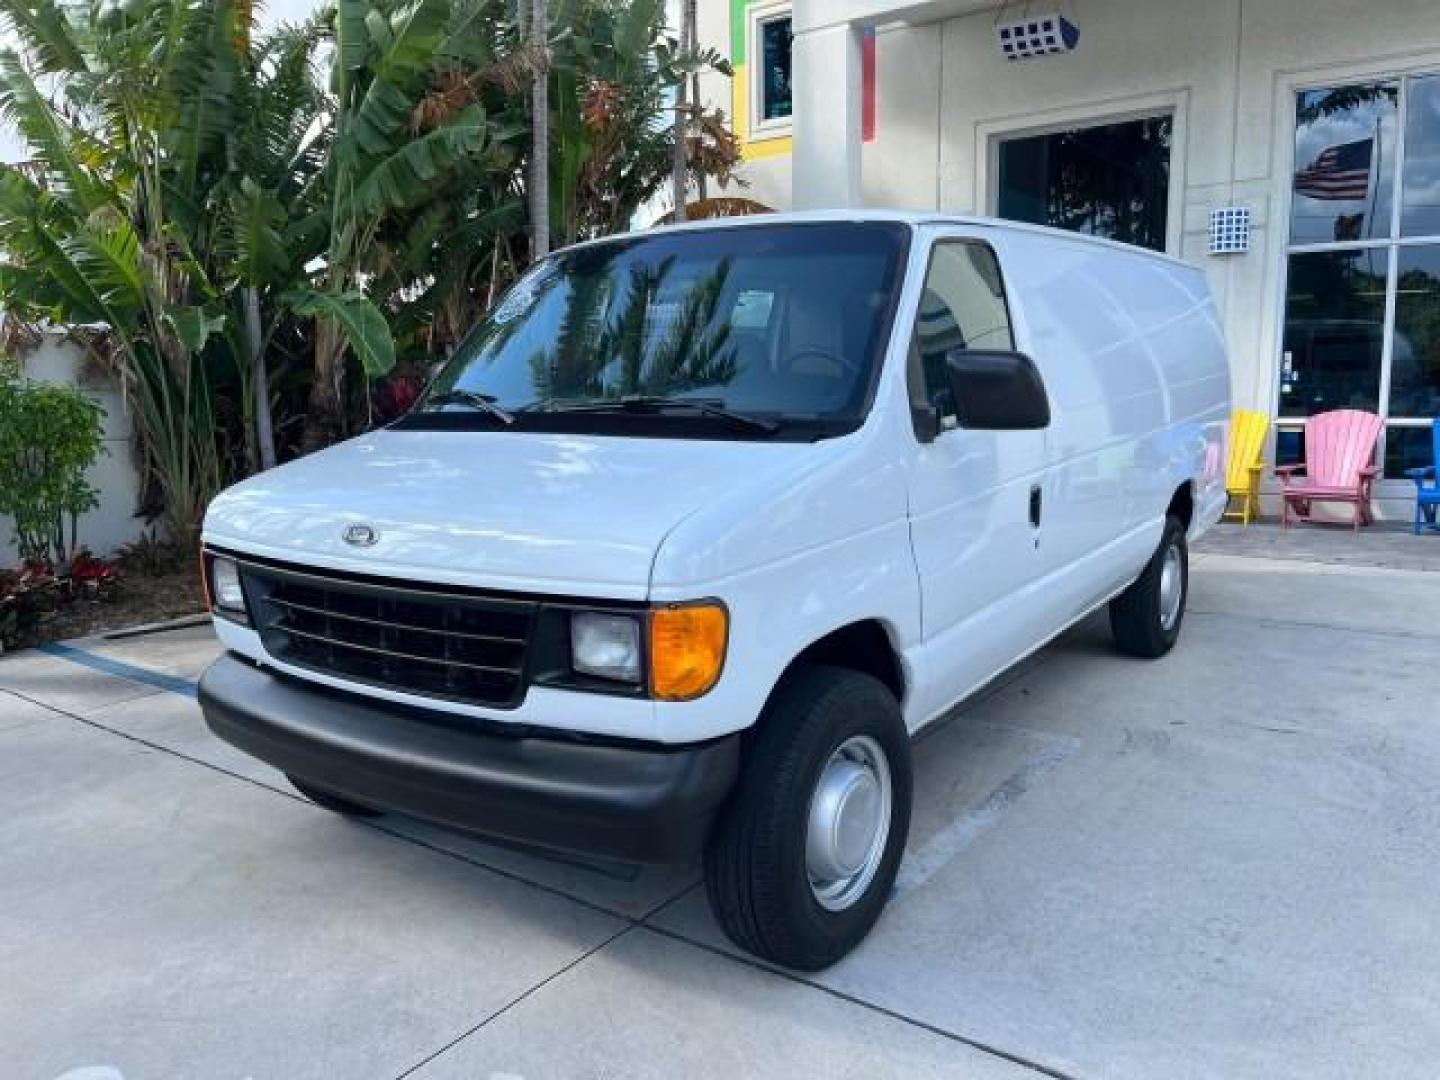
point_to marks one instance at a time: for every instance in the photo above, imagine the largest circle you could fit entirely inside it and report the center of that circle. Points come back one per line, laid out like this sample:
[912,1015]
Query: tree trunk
[540,133]
[325,410]
[691,13]
[679,160]
[260,376]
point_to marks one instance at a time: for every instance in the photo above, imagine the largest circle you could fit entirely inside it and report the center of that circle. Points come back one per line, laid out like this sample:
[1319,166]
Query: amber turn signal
[687,649]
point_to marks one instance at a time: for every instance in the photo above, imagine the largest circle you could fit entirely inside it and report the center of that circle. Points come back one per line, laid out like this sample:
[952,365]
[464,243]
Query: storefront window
[1415,355]
[1420,198]
[1408,448]
[1344,162]
[1362,296]
[1334,332]
[1112,180]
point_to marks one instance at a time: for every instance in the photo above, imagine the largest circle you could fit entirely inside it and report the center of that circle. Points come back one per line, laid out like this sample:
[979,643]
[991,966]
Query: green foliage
[49,437]
[361,322]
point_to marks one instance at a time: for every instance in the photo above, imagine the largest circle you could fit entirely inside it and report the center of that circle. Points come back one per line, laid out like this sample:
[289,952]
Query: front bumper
[636,803]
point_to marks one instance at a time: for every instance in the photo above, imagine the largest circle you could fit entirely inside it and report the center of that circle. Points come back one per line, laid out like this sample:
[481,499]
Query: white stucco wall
[114,475]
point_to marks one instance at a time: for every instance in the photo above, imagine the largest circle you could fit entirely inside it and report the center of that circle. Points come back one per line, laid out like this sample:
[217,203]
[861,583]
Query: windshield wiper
[480,402]
[641,403]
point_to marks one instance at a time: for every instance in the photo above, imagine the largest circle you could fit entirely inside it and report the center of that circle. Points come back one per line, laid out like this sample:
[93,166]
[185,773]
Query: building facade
[1290,147]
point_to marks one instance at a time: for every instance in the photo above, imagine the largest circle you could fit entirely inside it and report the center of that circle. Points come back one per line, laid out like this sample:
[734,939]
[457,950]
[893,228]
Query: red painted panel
[867,85]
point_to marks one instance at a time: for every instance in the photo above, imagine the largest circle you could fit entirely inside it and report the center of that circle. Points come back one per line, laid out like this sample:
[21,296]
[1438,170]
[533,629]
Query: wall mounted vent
[1036,33]
[1229,230]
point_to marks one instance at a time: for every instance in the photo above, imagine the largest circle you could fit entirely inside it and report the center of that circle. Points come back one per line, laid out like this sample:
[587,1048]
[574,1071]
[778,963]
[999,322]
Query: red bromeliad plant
[91,577]
[25,594]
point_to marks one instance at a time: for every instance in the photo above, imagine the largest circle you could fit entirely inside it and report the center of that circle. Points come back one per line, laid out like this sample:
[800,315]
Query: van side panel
[1134,360]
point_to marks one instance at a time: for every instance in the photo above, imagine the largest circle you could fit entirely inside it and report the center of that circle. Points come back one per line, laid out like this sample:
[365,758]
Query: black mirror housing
[926,419]
[997,390]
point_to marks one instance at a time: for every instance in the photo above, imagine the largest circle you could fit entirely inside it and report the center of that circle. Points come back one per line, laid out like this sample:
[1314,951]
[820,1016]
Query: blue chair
[1427,496]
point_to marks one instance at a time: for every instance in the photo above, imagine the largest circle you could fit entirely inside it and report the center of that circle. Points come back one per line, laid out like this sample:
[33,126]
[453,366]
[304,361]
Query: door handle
[1035,505]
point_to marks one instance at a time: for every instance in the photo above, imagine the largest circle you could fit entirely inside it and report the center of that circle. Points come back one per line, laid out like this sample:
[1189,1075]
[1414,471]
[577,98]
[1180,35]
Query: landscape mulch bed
[137,599]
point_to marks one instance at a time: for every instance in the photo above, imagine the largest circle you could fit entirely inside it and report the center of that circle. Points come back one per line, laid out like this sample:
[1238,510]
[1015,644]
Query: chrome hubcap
[849,823]
[1172,588]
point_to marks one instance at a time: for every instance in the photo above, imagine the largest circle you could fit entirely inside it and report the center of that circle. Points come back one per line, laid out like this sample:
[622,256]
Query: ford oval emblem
[360,535]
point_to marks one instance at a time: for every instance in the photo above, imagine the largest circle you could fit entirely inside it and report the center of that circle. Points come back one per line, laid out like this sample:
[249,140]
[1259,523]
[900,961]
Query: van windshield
[752,331]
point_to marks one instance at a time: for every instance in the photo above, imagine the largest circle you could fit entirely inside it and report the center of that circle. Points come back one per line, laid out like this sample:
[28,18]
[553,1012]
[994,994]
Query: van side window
[962,307]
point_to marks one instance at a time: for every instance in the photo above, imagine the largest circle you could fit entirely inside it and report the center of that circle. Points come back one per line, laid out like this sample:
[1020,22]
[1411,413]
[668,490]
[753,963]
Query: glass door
[1362,297]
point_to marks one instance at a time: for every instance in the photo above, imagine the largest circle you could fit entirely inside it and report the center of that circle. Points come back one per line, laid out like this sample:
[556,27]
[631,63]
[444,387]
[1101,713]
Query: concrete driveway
[1221,864]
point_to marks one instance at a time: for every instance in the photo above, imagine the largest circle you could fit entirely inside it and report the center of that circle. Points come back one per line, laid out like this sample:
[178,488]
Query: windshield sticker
[521,298]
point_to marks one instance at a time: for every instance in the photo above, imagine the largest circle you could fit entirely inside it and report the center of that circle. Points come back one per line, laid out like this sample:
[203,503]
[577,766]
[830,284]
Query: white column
[826,124]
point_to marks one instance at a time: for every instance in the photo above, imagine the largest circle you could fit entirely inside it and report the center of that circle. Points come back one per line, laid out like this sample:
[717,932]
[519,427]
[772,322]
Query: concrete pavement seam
[630,924]
[924,1025]
[1324,560]
[517,999]
[1302,624]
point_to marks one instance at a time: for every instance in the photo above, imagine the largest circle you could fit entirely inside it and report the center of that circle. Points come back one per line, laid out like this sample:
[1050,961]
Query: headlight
[606,646]
[687,649]
[225,590]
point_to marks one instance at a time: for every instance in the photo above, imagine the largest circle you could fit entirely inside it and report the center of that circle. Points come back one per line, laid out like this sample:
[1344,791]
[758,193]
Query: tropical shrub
[151,554]
[25,595]
[49,437]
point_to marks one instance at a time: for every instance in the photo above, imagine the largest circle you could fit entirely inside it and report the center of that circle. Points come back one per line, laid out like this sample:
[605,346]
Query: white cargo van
[701,525]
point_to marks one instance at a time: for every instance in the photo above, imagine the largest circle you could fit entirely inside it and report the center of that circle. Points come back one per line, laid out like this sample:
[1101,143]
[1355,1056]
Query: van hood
[572,514]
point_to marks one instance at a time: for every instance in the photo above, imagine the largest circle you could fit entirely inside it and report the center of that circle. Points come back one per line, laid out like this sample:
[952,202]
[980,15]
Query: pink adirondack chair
[1338,465]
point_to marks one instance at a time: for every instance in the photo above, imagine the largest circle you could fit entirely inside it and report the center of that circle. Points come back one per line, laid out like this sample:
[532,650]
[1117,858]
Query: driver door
[977,498]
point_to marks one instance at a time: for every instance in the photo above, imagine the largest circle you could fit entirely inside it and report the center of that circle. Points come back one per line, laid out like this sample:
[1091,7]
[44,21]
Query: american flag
[1340,172]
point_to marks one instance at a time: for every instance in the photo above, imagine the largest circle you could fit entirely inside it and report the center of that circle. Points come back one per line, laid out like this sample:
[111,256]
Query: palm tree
[540,132]
[262,244]
[679,169]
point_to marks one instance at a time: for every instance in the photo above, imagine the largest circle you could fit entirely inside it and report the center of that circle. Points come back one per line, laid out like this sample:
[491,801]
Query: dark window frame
[917,390]
[761,126]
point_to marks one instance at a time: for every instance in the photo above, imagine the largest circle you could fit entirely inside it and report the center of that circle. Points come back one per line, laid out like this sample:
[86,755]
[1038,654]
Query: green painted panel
[737,30]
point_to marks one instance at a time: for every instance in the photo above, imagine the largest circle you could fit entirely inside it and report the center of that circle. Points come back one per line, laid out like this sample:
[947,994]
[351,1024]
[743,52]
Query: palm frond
[404,178]
[46,35]
[51,139]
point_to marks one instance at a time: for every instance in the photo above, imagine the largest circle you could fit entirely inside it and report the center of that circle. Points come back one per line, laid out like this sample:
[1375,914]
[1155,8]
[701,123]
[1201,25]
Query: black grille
[438,643]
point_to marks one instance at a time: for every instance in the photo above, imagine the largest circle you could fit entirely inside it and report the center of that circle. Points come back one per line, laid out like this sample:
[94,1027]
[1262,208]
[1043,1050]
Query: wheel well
[862,646]
[1182,504]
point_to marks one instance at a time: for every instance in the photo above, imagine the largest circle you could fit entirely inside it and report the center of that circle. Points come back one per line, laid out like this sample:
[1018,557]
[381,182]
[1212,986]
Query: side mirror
[997,390]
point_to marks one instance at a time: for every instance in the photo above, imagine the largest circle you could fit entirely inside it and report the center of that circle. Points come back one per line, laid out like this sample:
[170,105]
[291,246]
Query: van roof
[917,218]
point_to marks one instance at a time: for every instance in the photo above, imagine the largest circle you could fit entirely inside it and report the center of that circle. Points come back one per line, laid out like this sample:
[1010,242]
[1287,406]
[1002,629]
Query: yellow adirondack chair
[1242,472]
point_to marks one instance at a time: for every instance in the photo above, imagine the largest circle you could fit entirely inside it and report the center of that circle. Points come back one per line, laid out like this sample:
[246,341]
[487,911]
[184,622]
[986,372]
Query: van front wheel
[805,854]
[1145,619]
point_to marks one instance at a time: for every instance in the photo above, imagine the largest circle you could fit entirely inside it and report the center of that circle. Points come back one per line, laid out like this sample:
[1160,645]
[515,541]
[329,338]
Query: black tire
[755,867]
[332,802]
[1138,615]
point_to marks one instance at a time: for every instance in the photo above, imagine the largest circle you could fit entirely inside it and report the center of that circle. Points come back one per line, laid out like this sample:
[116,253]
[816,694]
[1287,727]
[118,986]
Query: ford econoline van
[701,525]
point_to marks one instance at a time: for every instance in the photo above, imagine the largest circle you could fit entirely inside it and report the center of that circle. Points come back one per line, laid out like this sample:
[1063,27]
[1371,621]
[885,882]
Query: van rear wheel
[1145,619]
[334,803]
[805,854]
